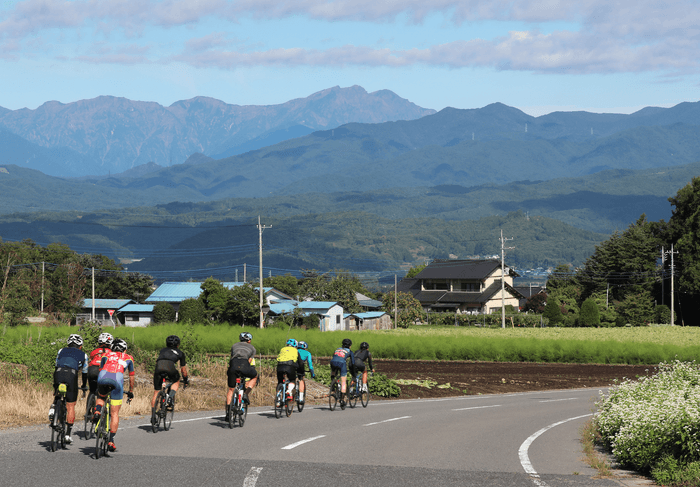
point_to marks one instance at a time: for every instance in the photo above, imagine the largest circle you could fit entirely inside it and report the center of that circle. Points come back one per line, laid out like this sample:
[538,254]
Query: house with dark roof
[463,286]
[528,292]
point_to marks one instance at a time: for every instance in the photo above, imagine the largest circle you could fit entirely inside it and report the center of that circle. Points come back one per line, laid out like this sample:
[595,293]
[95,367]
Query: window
[436,284]
[469,286]
[337,319]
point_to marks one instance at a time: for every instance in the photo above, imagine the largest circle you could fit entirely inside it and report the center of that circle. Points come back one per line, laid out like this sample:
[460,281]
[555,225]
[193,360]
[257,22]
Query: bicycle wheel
[89,412]
[352,395]
[333,396]
[101,433]
[232,410]
[279,400]
[155,420]
[289,405]
[242,414]
[168,413]
[300,405]
[62,423]
[54,429]
[342,398]
[364,398]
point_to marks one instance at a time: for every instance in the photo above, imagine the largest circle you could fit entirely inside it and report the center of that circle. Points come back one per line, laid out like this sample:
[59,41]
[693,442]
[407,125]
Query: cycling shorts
[70,378]
[113,381]
[241,367]
[341,366]
[290,370]
[93,372]
[360,366]
[167,369]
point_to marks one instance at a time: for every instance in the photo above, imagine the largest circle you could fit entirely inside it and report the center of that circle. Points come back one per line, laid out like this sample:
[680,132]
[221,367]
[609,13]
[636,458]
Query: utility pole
[262,291]
[672,271]
[93,294]
[663,276]
[42,287]
[396,307]
[503,278]
[245,269]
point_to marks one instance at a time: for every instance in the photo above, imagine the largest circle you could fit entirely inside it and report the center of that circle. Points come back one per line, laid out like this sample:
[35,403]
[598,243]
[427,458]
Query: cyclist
[339,363]
[104,343]
[242,362]
[288,362]
[111,381]
[305,358]
[69,361]
[165,367]
[361,356]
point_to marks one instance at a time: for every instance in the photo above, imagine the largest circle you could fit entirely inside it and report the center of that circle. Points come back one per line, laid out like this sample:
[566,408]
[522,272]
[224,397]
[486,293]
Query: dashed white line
[252,477]
[386,421]
[525,459]
[557,400]
[478,407]
[294,445]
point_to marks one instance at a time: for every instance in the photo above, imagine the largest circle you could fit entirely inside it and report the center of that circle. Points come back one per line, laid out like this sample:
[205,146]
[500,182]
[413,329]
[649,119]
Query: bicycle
[164,409]
[102,428]
[58,423]
[89,415]
[335,395]
[283,400]
[237,409]
[357,392]
[300,405]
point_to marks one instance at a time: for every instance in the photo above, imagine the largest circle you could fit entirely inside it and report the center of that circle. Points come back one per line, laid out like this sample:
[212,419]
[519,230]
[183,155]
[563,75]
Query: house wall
[138,319]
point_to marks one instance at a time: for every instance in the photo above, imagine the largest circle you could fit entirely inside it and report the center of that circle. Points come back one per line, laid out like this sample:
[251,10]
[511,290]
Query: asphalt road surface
[527,439]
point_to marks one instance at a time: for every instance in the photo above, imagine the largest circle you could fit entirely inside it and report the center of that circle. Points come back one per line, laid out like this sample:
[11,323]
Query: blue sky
[540,57]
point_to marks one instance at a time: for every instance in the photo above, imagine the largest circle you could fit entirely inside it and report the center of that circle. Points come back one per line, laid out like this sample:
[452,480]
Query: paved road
[527,440]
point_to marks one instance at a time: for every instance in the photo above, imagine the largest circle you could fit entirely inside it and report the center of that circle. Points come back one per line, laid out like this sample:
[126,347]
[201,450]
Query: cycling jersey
[112,368]
[72,358]
[306,358]
[288,355]
[175,355]
[242,350]
[117,363]
[70,361]
[339,360]
[96,355]
[362,356]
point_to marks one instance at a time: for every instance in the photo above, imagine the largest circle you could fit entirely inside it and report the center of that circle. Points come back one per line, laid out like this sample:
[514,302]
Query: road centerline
[557,400]
[478,407]
[386,421]
[294,445]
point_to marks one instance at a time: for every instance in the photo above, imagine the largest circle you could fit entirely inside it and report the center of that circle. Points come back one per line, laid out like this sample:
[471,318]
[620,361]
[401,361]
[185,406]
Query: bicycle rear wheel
[333,396]
[102,434]
[232,410]
[168,413]
[88,427]
[155,421]
[54,428]
[289,405]
[279,400]
[364,398]
[62,423]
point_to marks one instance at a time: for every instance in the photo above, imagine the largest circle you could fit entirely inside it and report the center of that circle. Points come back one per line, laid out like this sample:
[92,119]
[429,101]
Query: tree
[414,271]
[589,315]
[215,298]
[192,310]
[563,287]
[409,308]
[552,311]
[636,309]
[243,306]
[163,313]
[339,288]
[288,284]
[536,303]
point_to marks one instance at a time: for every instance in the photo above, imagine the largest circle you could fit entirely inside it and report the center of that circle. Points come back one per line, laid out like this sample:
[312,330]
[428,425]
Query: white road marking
[525,459]
[294,445]
[478,407]
[252,477]
[386,421]
[556,400]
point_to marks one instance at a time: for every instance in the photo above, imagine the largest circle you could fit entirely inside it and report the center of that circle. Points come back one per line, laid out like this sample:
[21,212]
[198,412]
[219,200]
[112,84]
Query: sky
[538,56]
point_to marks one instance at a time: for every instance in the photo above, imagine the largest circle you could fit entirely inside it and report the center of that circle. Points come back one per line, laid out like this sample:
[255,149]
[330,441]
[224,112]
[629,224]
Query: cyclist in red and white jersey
[104,343]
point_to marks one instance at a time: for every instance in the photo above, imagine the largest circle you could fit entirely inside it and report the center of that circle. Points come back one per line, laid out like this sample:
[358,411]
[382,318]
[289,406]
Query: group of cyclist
[104,369]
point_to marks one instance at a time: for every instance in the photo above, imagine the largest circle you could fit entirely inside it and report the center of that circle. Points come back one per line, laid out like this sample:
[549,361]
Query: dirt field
[438,379]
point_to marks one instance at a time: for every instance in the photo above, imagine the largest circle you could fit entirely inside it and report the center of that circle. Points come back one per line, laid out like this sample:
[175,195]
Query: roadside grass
[590,438]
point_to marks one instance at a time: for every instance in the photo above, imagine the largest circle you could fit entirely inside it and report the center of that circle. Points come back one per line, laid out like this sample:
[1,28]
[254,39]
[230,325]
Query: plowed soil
[440,379]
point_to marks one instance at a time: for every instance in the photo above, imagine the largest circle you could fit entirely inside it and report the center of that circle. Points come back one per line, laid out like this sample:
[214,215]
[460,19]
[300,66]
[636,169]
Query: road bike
[283,400]
[165,409]
[356,391]
[300,405]
[237,410]
[58,422]
[335,395]
[88,428]
[102,428]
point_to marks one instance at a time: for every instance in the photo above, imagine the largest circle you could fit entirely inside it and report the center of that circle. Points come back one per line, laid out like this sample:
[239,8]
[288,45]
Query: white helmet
[105,339]
[76,340]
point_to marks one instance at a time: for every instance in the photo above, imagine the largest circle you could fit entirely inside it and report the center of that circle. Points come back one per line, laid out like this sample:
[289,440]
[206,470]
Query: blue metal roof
[176,292]
[106,303]
[288,306]
[137,308]
[368,314]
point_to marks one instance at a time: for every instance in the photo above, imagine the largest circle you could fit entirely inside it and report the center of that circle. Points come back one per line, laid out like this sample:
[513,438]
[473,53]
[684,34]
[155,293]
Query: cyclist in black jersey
[361,356]
[166,366]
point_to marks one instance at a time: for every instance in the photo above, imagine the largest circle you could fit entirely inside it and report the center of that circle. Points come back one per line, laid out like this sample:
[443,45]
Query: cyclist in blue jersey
[339,363]
[70,361]
[306,358]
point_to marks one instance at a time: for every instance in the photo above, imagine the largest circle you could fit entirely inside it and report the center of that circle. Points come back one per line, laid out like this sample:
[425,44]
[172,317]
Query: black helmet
[347,343]
[172,341]
[245,337]
[364,346]
[119,345]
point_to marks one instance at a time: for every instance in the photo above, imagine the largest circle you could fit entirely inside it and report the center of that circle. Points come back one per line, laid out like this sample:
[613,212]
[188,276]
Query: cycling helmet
[292,343]
[172,341]
[76,340]
[303,345]
[119,345]
[245,336]
[105,339]
[347,343]
[364,346]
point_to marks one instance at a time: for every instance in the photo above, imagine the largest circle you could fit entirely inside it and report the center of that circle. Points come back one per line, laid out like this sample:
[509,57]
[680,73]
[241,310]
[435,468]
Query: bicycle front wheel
[279,401]
[300,405]
[89,412]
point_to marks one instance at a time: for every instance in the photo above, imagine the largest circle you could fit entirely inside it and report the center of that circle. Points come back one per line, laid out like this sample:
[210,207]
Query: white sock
[301,396]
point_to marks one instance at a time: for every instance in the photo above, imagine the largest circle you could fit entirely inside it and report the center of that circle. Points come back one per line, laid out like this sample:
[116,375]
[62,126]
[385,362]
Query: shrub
[192,311]
[164,313]
[662,314]
[552,311]
[90,330]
